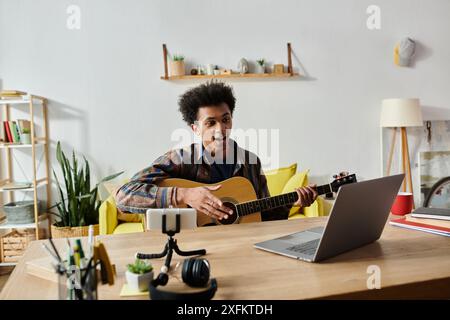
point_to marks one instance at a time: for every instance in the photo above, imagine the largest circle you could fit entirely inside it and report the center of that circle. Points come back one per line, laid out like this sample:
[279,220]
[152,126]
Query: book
[432,222]
[8,136]
[16,131]
[404,223]
[12,93]
[432,213]
[14,135]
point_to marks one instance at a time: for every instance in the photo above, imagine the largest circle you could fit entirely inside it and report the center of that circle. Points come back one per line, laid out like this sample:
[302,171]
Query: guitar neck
[269,203]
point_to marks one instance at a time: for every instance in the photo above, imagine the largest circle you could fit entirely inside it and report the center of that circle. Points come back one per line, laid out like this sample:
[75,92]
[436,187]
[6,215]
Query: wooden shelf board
[233,76]
[8,145]
[40,184]
[10,101]
[42,217]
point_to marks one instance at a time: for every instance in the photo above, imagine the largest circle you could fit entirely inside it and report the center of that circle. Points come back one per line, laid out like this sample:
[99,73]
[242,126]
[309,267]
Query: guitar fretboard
[268,203]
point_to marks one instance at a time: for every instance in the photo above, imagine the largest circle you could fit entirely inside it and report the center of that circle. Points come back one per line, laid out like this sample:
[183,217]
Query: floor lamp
[401,113]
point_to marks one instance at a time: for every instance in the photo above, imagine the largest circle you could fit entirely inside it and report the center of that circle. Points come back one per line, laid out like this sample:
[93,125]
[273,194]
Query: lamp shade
[401,113]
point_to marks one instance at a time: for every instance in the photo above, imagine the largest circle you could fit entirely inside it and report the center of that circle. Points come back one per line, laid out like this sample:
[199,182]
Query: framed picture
[433,166]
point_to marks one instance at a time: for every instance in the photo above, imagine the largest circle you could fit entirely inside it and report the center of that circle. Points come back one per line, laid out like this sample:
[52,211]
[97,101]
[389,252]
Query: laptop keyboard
[308,248]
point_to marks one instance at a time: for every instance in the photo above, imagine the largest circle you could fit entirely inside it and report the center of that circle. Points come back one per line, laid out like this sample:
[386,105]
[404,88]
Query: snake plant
[78,205]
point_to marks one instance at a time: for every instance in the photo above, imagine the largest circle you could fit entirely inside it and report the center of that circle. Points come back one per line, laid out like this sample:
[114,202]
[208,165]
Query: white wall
[108,102]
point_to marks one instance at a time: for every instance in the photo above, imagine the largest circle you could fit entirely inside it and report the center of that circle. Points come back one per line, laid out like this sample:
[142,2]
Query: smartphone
[188,218]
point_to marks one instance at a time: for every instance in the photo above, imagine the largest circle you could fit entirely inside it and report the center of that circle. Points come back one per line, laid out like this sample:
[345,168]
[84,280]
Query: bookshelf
[35,106]
[285,75]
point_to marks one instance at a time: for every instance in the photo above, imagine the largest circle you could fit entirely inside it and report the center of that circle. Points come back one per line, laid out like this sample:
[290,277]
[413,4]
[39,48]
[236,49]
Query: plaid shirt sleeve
[142,192]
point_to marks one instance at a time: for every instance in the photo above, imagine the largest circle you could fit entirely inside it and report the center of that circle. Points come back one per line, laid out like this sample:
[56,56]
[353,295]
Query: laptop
[357,218]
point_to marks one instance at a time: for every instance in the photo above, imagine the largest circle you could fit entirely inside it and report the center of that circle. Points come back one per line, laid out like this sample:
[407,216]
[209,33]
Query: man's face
[213,125]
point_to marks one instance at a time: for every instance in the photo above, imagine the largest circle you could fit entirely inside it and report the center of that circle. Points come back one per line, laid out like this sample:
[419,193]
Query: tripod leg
[188,253]
[153,255]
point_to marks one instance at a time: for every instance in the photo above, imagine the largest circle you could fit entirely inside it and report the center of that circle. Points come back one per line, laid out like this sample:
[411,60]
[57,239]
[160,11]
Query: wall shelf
[233,76]
[289,74]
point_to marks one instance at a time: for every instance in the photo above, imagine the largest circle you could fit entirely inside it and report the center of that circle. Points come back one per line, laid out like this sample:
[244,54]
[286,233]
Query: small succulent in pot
[177,65]
[260,66]
[139,274]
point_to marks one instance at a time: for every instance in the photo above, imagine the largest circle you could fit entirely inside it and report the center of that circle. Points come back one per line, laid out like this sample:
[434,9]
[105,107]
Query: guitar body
[234,190]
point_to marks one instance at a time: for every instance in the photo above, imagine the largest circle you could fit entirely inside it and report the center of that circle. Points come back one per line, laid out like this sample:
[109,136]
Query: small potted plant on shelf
[260,66]
[25,137]
[139,274]
[78,206]
[177,65]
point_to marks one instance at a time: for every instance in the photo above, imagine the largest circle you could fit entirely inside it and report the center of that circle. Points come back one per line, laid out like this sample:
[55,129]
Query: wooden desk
[413,264]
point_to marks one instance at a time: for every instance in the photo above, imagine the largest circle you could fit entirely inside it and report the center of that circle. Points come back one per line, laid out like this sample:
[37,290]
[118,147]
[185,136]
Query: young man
[208,110]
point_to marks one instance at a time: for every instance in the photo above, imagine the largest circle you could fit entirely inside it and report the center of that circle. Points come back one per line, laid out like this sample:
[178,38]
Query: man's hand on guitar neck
[203,200]
[306,195]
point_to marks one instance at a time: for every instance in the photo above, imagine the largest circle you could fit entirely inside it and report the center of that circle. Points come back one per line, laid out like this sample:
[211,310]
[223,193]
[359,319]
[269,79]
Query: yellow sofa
[112,221]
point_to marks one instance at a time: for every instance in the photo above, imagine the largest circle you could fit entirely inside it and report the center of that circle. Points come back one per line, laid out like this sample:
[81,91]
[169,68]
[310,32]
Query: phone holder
[170,246]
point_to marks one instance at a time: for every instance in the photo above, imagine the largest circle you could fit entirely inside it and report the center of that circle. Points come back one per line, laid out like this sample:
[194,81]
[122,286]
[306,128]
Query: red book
[8,136]
[402,222]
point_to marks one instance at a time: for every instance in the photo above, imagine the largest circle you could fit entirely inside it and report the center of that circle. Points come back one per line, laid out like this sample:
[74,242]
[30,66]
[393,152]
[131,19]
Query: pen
[81,254]
[91,241]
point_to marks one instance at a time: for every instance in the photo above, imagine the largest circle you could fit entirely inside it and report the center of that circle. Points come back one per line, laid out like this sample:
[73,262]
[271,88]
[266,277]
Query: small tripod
[170,246]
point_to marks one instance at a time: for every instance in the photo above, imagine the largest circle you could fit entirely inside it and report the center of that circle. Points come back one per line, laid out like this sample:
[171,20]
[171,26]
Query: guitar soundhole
[232,218]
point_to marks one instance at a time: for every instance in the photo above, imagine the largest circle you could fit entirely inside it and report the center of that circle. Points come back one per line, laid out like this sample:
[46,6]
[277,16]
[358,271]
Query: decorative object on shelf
[25,137]
[404,52]
[225,71]
[194,71]
[243,66]
[201,70]
[139,274]
[278,68]
[78,207]
[210,69]
[216,71]
[401,113]
[260,66]
[20,212]
[177,65]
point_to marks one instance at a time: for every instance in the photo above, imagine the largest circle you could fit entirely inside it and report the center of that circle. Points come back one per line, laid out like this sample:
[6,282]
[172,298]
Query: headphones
[195,272]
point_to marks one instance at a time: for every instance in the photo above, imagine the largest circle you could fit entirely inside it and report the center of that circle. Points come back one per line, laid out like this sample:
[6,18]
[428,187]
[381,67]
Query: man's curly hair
[212,93]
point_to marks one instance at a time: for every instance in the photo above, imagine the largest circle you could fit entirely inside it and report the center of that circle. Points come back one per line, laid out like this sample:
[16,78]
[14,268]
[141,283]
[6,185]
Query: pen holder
[75,283]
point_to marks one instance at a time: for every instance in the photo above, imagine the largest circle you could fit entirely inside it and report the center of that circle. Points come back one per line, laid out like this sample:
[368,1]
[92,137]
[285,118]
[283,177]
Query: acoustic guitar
[237,193]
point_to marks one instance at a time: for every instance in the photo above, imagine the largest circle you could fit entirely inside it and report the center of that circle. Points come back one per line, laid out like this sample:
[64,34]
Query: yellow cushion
[277,178]
[296,181]
[108,216]
[129,227]
[315,209]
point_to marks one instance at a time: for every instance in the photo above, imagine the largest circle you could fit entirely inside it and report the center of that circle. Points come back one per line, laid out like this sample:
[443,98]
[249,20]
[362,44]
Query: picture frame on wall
[433,166]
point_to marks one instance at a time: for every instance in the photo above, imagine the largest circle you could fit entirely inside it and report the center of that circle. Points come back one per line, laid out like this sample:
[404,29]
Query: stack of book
[432,220]
[13,94]
[14,130]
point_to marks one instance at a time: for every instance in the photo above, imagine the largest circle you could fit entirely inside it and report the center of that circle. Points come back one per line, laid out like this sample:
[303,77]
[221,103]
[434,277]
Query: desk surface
[412,264]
